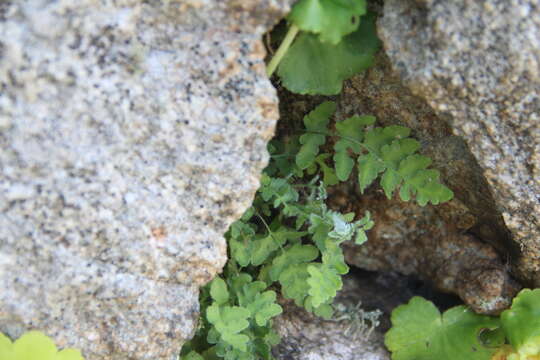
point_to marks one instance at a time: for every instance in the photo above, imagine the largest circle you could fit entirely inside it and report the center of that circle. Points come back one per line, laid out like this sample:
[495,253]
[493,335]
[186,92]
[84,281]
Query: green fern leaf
[369,168]
[263,248]
[296,254]
[372,164]
[351,131]
[249,292]
[319,228]
[265,308]
[294,284]
[329,175]
[433,191]
[240,237]
[398,150]
[378,137]
[218,291]
[281,153]
[324,282]
[237,284]
[226,351]
[392,155]
[389,182]
[408,168]
[316,123]
[421,181]
[262,305]
[239,252]
[362,226]
[229,321]
[333,258]
[324,310]
[192,355]
[279,190]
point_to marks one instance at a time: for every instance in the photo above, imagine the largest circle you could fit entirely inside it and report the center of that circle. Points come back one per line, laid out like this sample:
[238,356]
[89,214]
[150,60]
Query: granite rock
[132,133]
[415,240]
[478,63]
[450,245]
[352,334]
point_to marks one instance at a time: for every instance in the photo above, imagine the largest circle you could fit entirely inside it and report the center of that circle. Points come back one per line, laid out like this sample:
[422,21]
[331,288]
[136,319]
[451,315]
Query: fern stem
[282,50]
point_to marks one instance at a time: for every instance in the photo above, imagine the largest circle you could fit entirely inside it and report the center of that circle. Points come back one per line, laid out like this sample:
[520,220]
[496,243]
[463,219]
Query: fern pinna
[289,240]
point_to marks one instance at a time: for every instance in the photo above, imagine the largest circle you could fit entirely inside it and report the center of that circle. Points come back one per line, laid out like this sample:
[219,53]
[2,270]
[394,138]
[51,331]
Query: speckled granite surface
[131,135]
[479,63]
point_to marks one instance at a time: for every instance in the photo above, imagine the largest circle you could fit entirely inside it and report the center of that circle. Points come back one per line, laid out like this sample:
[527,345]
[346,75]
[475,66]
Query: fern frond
[351,131]
[261,304]
[324,282]
[229,321]
[278,190]
[392,153]
[294,284]
[329,174]
[296,254]
[316,123]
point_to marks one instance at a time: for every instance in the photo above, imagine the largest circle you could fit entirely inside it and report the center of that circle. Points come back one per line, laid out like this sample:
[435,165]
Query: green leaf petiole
[282,50]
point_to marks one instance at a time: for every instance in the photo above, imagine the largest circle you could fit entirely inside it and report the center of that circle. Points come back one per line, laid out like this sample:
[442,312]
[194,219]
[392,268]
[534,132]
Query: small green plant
[420,332]
[34,345]
[327,42]
[387,152]
[289,241]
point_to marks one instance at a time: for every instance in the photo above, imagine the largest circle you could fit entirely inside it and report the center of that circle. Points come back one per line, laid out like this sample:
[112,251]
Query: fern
[237,322]
[388,153]
[316,123]
[289,240]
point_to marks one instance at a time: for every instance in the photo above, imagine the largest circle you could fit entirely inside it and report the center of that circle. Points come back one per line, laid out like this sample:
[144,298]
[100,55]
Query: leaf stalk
[282,50]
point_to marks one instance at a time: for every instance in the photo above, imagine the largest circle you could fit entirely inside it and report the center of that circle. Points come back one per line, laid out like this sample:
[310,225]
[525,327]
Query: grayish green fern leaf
[316,123]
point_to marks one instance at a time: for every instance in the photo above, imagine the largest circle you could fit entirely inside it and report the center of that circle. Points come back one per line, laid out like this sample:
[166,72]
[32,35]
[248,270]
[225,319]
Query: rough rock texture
[349,336]
[479,63]
[131,135]
[380,92]
[430,241]
[414,240]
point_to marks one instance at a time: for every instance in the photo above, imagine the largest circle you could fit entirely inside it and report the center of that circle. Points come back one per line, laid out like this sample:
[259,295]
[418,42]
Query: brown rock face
[450,245]
[353,333]
[442,244]
[416,240]
[478,64]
